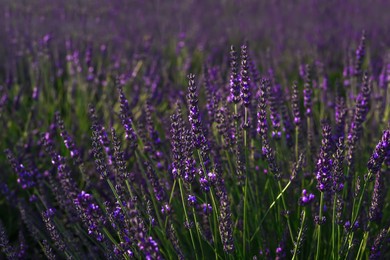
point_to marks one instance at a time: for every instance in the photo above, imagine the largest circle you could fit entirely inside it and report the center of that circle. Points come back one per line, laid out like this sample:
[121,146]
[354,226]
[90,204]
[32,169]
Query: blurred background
[296,27]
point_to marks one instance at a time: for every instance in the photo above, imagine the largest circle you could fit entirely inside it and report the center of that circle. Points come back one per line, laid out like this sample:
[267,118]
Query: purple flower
[377,201]
[307,92]
[360,52]
[68,141]
[381,150]
[177,143]
[126,118]
[347,225]
[48,250]
[100,161]
[324,162]
[158,190]
[306,198]
[204,183]
[54,233]
[337,169]
[222,121]
[245,91]
[150,125]
[166,209]
[5,246]
[206,208]
[274,105]
[262,127]
[25,178]
[295,105]
[225,223]
[361,110]
[90,213]
[340,115]
[145,243]
[375,251]
[119,160]
[234,78]
[191,200]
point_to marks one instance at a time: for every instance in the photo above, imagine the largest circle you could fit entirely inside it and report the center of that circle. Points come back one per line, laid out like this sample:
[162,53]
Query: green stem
[244,235]
[300,234]
[319,227]
[198,231]
[334,227]
[285,209]
[186,216]
[245,217]
[215,215]
[170,201]
[269,209]
[296,143]
[356,209]
[363,243]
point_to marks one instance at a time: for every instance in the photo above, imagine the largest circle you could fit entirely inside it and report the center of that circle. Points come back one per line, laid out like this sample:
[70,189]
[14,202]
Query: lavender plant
[184,152]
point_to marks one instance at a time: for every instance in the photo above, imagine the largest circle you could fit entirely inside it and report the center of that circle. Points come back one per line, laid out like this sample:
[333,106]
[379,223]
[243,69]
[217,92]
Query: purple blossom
[378,156]
[340,116]
[145,243]
[206,208]
[5,246]
[245,82]
[177,143]
[90,213]
[337,167]
[361,110]
[100,161]
[204,183]
[306,198]
[25,178]
[126,118]
[68,141]
[308,92]
[377,201]
[379,242]
[158,190]
[234,78]
[274,105]
[324,162]
[54,233]
[166,209]
[191,200]
[262,127]
[360,53]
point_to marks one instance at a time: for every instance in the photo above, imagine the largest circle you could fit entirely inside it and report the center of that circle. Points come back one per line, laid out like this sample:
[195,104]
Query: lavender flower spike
[194,116]
[126,119]
[324,163]
[378,156]
[360,52]
[245,91]
[262,127]
[307,92]
[5,246]
[234,78]
[375,211]
[378,244]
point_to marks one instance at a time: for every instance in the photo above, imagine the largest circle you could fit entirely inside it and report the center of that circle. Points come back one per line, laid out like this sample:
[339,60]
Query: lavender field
[194,129]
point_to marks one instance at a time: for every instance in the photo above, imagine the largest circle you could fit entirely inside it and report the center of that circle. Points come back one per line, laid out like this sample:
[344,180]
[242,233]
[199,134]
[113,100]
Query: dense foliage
[173,148]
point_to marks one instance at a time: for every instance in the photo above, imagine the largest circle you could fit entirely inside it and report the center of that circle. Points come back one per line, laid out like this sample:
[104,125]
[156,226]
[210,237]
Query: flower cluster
[324,162]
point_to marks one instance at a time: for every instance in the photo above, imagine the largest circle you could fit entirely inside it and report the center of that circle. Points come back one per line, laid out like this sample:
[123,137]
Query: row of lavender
[245,163]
